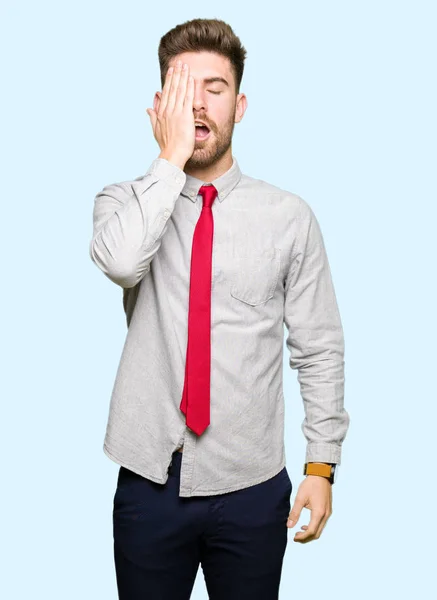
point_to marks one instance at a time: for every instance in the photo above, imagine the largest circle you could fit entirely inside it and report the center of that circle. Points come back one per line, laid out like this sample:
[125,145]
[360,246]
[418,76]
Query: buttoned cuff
[323,452]
[167,171]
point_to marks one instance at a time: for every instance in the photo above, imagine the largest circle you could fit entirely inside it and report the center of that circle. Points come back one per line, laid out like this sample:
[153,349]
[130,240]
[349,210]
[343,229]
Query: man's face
[215,103]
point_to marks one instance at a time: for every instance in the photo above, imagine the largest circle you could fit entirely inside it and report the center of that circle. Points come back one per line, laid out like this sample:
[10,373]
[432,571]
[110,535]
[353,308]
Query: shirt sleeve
[129,220]
[315,340]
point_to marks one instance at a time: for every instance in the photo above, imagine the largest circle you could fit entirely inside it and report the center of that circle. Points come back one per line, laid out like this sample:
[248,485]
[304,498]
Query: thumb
[294,515]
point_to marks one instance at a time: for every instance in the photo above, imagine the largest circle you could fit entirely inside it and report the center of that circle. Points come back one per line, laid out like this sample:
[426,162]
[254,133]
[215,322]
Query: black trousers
[239,538]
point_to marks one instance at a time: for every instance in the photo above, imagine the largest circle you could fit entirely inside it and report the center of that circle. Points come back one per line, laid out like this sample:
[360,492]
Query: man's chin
[201,153]
[201,143]
[199,161]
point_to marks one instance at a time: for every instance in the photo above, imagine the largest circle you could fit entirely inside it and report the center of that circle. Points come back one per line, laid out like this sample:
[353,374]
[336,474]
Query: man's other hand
[314,493]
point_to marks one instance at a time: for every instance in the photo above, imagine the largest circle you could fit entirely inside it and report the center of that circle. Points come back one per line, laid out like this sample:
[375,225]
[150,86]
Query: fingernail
[290,522]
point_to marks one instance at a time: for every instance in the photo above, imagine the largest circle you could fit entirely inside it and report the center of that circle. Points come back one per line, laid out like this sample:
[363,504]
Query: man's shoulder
[249,184]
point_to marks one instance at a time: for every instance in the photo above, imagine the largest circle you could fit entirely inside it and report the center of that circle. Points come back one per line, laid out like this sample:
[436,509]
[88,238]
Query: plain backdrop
[342,111]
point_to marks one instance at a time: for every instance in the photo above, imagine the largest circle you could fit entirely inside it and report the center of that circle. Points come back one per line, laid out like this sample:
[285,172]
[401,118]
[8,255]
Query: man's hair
[197,35]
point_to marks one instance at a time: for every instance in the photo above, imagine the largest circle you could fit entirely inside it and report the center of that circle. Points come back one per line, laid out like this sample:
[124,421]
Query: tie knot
[208,193]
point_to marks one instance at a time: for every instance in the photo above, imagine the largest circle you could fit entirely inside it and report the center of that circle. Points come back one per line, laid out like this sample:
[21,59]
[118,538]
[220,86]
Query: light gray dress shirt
[269,267]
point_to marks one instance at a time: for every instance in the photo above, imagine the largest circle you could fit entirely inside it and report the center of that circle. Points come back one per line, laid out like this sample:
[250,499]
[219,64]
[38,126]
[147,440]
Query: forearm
[322,389]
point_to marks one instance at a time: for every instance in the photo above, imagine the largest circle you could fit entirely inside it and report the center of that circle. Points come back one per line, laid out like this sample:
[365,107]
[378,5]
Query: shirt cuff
[323,452]
[170,173]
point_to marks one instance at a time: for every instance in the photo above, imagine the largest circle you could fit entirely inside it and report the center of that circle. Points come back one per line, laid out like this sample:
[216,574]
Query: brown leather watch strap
[314,468]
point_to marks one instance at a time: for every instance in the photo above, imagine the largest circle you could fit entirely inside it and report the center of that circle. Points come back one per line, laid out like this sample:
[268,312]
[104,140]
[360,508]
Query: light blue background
[342,111]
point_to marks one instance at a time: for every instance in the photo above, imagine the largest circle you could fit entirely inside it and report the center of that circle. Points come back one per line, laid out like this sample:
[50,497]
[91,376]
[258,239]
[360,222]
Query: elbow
[125,279]
[118,269]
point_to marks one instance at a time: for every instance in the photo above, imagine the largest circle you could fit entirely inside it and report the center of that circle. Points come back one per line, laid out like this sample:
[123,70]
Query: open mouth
[202,132]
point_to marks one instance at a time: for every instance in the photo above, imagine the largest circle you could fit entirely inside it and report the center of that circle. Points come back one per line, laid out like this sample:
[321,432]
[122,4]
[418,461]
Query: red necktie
[196,395]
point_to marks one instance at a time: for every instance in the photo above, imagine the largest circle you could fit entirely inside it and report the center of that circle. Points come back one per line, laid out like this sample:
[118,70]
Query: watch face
[335,472]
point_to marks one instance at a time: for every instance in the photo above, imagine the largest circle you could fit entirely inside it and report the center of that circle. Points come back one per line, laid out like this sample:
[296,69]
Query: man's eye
[214,92]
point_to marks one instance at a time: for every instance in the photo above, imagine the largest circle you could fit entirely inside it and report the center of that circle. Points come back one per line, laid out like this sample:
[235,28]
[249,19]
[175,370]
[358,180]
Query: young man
[212,263]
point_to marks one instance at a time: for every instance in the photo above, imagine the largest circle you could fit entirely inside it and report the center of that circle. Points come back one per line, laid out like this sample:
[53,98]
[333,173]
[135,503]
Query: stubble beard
[207,153]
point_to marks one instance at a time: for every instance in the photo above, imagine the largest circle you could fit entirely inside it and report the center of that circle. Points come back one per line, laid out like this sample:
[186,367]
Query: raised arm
[130,218]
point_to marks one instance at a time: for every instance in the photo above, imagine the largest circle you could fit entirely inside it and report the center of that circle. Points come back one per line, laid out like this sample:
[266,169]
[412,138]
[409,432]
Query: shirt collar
[223,184]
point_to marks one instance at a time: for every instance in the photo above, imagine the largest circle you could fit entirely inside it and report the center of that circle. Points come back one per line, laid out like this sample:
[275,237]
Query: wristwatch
[328,470]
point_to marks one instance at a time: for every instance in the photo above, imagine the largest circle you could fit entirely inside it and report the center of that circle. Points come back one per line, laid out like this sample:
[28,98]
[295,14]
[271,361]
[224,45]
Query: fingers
[173,124]
[189,96]
[174,88]
[165,91]
[294,515]
[314,529]
[182,87]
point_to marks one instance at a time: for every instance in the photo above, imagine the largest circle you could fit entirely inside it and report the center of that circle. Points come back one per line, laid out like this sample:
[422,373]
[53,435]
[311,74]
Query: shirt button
[166,214]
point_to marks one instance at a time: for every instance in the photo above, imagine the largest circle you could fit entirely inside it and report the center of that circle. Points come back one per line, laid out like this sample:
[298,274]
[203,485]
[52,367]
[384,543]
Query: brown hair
[212,35]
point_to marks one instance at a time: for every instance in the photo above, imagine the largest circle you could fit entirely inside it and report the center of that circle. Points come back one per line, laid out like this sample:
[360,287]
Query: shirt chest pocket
[254,277]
